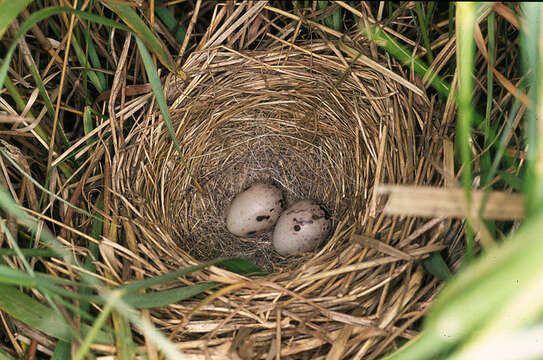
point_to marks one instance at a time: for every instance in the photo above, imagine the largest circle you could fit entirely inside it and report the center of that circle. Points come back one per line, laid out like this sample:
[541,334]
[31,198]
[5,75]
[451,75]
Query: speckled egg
[254,210]
[302,227]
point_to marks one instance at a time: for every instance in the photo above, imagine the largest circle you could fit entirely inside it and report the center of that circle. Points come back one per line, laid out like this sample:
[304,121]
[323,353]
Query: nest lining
[318,132]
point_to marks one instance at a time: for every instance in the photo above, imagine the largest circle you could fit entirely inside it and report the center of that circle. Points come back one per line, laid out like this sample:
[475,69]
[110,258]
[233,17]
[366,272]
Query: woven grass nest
[320,128]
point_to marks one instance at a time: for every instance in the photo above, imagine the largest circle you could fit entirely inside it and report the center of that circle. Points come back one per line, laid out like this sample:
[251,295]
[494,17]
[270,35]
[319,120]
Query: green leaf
[82,58]
[241,266]
[29,252]
[436,266]
[166,297]
[4,355]
[512,180]
[162,279]
[171,23]
[63,351]
[147,329]
[39,316]
[134,21]
[9,10]
[9,275]
[383,40]
[126,347]
[94,331]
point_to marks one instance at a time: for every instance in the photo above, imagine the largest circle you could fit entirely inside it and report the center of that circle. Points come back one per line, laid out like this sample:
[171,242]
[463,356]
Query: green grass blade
[90,49]
[166,297]
[170,21]
[88,264]
[154,79]
[15,247]
[10,206]
[38,129]
[9,275]
[39,316]
[242,267]
[334,20]
[465,17]
[531,49]
[29,252]
[9,10]
[82,58]
[436,266]
[45,97]
[94,331]
[482,292]
[150,332]
[40,15]
[162,279]
[514,181]
[383,40]
[238,266]
[4,355]
[527,346]
[423,22]
[134,21]
[125,344]
[63,351]
[485,158]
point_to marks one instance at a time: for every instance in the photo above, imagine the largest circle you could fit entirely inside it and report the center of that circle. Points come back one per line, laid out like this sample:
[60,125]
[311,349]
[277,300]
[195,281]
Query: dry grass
[321,124]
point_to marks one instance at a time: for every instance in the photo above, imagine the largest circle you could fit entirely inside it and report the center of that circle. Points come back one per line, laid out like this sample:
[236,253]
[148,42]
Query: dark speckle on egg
[302,227]
[262,217]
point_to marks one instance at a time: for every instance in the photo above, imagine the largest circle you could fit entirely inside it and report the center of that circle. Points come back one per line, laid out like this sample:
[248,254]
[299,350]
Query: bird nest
[320,127]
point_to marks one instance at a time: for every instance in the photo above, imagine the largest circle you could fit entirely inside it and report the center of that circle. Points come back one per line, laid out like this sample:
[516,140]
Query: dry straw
[321,123]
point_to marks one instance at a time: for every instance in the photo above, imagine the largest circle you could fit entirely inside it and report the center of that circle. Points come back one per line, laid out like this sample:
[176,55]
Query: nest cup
[302,120]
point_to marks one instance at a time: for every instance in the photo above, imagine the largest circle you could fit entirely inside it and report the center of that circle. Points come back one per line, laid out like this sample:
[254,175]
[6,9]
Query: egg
[254,210]
[302,227]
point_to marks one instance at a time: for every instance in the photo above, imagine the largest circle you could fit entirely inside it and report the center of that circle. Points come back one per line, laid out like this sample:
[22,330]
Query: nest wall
[318,128]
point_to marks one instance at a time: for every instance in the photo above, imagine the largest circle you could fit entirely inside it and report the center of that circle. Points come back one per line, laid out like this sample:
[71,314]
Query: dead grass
[321,124]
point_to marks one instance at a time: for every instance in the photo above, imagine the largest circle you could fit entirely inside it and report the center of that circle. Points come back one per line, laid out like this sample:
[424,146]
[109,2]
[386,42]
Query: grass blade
[63,351]
[39,316]
[436,266]
[531,48]
[132,19]
[44,14]
[423,22]
[162,279]
[154,79]
[465,21]
[147,329]
[9,10]
[125,344]
[39,186]
[242,267]
[166,297]
[481,292]
[170,21]
[94,331]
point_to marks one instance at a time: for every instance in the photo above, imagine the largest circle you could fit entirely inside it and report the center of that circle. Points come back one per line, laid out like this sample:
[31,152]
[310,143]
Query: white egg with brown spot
[302,227]
[254,210]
